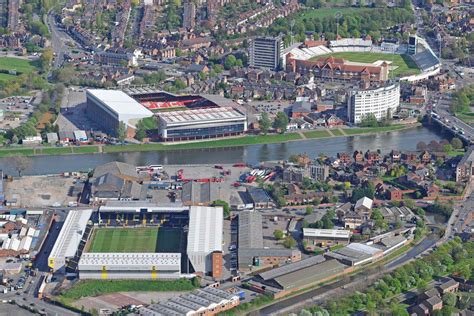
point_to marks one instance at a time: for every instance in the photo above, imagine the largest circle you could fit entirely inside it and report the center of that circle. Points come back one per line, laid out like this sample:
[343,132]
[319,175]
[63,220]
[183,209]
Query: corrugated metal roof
[289,268]
[250,230]
[310,274]
[205,229]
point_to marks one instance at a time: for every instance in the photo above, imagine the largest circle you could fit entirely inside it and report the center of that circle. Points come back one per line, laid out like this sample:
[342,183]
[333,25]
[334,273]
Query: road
[457,126]
[59,38]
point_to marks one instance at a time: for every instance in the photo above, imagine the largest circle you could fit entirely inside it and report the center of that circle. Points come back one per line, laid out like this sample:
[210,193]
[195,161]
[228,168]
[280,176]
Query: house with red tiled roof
[337,68]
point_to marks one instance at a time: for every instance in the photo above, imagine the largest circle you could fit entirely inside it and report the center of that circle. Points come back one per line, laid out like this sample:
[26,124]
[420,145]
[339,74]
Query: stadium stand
[426,60]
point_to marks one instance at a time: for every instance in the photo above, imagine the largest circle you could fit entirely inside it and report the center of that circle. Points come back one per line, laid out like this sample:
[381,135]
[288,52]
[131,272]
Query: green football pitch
[124,240]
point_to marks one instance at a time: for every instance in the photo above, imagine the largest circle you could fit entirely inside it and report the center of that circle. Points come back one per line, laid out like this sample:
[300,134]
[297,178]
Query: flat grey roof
[310,274]
[200,115]
[289,268]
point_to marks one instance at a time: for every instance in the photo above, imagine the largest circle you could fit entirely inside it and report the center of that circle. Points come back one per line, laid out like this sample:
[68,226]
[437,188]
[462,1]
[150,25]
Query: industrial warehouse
[125,240]
[188,117]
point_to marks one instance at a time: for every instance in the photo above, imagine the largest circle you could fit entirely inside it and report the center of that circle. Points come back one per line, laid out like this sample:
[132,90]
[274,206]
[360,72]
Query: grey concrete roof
[310,274]
[250,230]
[289,268]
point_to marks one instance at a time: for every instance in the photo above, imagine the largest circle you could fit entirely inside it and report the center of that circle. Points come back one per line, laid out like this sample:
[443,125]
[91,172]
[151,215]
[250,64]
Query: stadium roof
[326,233]
[71,234]
[119,102]
[137,206]
[205,229]
[173,118]
[250,230]
[132,261]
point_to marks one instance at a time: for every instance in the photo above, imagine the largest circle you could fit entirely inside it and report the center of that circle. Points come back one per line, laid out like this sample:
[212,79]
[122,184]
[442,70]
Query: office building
[326,237]
[189,15]
[382,102]
[266,52]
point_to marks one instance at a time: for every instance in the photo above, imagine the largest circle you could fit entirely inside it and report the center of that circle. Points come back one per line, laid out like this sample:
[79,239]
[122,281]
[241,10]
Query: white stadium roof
[132,261]
[71,233]
[201,116]
[119,102]
[205,229]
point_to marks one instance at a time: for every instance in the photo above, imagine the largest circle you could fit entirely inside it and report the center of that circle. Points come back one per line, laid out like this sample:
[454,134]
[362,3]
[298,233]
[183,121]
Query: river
[399,140]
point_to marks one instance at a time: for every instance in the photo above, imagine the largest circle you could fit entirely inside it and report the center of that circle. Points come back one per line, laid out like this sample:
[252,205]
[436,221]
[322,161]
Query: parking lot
[41,191]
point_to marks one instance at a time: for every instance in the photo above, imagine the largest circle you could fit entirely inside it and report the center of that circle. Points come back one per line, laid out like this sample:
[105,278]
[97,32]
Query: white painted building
[130,266]
[68,239]
[204,236]
[381,102]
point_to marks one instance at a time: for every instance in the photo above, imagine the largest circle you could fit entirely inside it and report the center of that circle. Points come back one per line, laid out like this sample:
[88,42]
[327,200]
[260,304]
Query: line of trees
[453,257]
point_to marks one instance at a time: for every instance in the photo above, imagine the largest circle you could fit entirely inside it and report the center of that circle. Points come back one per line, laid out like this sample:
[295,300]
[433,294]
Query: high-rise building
[189,15]
[381,102]
[266,52]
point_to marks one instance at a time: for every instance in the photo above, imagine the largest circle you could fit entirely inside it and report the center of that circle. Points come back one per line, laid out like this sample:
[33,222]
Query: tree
[289,242]
[195,281]
[230,62]
[456,143]
[21,163]
[46,58]
[449,299]
[224,205]
[309,210]
[278,234]
[264,123]
[447,148]
[121,132]
[281,122]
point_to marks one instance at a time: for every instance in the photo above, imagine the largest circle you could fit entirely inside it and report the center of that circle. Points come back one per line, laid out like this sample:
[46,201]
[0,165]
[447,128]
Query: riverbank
[218,143]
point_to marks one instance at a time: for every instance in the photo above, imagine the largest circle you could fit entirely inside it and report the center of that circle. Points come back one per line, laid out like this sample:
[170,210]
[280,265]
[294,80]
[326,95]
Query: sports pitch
[404,64]
[124,240]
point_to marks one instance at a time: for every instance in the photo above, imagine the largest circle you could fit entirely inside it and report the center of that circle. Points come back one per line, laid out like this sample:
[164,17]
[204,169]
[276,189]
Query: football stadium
[136,240]
[181,117]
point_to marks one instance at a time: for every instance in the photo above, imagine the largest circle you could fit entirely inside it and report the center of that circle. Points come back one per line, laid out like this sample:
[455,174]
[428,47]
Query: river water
[399,140]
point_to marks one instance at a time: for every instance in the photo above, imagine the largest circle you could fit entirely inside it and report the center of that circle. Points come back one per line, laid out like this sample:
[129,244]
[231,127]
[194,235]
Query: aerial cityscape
[236,157]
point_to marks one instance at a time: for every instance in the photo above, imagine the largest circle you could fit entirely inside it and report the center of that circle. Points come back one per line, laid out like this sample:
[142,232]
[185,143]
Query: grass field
[18,64]
[316,134]
[337,132]
[124,240]
[329,12]
[405,65]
